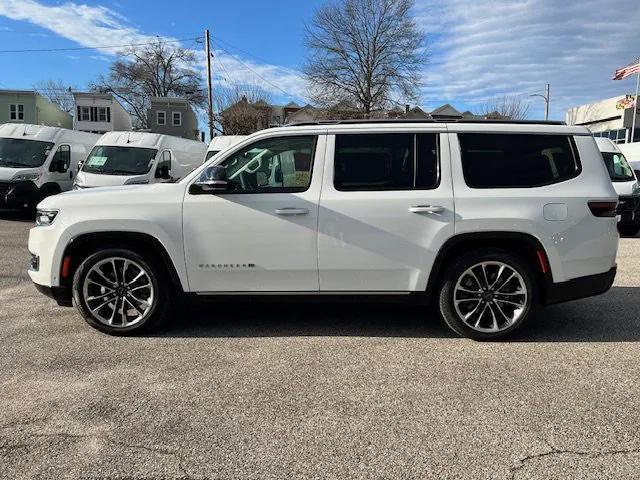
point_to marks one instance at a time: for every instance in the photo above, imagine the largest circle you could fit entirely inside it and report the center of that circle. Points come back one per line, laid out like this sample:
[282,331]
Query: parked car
[488,219]
[626,185]
[631,152]
[132,158]
[222,142]
[38,161]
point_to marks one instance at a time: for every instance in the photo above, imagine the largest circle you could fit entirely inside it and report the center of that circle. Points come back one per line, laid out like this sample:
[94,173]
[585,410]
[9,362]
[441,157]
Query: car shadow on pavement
[612,317]
[18,216]
[283,318]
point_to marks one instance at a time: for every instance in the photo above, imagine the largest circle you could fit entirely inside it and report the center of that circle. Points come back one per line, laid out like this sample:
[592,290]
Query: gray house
[27,106]
[173,116]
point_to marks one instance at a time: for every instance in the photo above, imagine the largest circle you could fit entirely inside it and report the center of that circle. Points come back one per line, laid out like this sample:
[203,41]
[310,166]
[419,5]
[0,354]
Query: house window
[84,114]
[16,111]
[161,117]
[177,119]
[104,114]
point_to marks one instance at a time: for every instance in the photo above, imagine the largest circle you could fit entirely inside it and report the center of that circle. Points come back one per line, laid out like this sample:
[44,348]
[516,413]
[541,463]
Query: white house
[99,113]
[611,118]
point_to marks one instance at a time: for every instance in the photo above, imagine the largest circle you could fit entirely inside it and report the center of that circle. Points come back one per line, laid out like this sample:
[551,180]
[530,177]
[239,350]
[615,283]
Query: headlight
[45,217]
[635,190]
[26,176]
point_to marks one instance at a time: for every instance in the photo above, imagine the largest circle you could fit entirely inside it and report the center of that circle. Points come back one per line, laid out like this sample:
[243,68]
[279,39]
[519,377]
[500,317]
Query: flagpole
[635,108]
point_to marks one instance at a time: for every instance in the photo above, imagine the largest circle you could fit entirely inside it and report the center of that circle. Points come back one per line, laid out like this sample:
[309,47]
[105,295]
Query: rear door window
[394,161]
[494,160]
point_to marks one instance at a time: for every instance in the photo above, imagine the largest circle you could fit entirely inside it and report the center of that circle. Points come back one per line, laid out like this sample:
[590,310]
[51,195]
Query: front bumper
[62,295]
[577,288]
[19,195]
[629,210]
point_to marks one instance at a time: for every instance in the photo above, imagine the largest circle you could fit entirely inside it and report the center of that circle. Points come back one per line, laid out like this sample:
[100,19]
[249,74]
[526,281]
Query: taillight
[603,209]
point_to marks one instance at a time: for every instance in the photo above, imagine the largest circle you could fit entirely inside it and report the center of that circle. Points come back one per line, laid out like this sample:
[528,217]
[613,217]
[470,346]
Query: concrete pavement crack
[159,450]
[554,451]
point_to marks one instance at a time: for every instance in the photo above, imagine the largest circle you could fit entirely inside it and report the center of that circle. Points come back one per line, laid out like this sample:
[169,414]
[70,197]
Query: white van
[134,158]
[626,184]
[631,152]
[38,161]
[222,142]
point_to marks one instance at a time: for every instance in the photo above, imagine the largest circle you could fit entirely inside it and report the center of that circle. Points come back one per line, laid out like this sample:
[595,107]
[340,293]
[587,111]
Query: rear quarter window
[495,160]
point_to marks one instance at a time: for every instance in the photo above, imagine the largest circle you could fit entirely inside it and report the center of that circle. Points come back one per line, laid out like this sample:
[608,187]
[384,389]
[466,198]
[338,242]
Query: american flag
[624,72]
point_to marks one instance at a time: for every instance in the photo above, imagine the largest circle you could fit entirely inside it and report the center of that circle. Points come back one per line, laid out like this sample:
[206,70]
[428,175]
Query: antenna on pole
[207,47]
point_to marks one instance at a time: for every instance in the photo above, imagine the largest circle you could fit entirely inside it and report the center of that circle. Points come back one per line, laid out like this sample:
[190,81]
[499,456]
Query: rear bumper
[61,295]
[629,210]
[577,288]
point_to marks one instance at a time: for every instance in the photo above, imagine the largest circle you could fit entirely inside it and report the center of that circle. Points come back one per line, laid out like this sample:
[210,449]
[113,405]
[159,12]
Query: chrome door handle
[292,211]
[426,209]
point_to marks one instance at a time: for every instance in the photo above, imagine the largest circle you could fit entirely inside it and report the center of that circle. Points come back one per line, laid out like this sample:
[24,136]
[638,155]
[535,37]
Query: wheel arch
[82,245]
[526,246]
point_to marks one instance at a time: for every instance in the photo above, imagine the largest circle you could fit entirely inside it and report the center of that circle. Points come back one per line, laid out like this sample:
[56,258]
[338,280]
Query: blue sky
[479,50]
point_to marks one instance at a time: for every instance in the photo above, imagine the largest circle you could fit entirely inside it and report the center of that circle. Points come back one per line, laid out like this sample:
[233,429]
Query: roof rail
[421,120]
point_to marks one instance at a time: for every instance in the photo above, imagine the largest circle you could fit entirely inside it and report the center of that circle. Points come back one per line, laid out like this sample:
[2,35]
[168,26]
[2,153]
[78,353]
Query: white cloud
[95,25]
[484,50]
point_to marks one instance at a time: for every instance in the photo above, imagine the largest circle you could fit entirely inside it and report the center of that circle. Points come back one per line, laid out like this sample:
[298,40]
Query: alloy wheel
[118,291]
[490,297]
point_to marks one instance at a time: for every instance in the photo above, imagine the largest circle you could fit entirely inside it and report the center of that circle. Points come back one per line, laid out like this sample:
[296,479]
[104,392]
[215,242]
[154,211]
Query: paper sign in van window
[97,161]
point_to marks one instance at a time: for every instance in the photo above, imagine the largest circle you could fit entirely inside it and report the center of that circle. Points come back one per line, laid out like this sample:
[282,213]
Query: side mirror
[163,172]
[61,160]
[213,180]
[637,174]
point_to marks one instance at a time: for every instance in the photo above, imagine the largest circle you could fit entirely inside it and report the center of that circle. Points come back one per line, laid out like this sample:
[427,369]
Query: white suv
[489,219]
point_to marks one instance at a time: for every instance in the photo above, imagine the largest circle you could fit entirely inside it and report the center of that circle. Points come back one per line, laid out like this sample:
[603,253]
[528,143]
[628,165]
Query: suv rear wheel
[121,292]
[487,294]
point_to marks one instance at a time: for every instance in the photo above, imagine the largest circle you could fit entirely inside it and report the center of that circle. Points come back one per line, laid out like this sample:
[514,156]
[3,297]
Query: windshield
[21,153]
[111,160]
[211,153]
[618,167]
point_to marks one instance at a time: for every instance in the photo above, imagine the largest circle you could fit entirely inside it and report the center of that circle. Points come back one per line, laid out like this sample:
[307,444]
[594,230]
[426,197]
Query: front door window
[281,164]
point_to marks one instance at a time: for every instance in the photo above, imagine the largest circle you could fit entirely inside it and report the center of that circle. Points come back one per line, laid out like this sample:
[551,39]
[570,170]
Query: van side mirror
[61,160]
[637,172]
[163,172]
[213,180]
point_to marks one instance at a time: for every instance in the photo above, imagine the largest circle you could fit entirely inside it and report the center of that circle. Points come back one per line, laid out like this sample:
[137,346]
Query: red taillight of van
[603,209]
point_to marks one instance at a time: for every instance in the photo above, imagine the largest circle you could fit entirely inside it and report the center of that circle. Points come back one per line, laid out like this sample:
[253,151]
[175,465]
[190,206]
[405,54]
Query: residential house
[27,106]
[173,116]
[99,113]
[611,118]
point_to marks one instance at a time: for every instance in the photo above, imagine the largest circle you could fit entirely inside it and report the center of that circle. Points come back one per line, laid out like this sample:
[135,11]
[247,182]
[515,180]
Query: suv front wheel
[121,292]
[486,294]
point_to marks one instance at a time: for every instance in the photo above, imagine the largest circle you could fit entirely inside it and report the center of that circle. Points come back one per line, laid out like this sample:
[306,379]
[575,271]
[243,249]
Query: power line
[97,47]
[260,76]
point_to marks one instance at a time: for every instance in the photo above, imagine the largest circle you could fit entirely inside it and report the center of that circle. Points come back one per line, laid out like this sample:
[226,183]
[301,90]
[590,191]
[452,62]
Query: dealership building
[611,118]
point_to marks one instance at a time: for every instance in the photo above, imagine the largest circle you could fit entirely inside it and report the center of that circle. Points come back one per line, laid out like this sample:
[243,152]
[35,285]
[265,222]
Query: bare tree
[506,108]
[58,93]
[156,70]
[239,108]
[364,52]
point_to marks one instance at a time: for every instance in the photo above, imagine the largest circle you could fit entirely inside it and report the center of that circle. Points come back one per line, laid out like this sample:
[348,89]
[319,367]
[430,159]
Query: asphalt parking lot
[317,391]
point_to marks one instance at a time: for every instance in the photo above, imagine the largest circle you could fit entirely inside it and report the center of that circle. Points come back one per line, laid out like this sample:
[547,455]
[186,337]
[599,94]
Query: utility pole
[635,109]
[546,96]
[546,102]
[207,47]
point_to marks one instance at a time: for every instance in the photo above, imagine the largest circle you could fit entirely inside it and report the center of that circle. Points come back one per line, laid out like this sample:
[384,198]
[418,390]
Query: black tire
[448,287]
[157,314]
[628,230]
